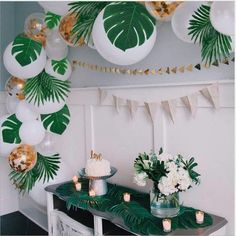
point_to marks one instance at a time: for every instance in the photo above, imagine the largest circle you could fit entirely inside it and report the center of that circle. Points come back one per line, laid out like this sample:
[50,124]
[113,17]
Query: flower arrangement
[170,174]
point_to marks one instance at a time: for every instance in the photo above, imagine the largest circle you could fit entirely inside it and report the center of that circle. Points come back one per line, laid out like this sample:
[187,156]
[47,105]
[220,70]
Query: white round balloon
[115,55]
[5,148]
[24,72]
[180,20]
[61,74]
[11,104]
[25,112]
[47,146]
[49,107]
[32,132]
[222,17]
[57,7]
[55,48]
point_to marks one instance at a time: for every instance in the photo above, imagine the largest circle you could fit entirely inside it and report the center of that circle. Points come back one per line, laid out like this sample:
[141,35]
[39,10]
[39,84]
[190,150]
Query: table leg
[98,231]
[50,207]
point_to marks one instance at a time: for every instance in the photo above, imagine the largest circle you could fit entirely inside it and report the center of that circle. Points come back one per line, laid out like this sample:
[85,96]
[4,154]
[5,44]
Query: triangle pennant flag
[133,107]
[190,102]
[117,101]
[170,108]
[152,109]
[211,93]
[102,95]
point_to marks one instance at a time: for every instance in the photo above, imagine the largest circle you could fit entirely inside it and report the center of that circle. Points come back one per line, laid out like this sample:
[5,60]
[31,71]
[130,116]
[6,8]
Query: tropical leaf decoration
[45,87]
[215,46]
[127,24]
[86,14]
[25,50]
[57,122]
[60,67]
[52,20]
[46,168]
[10,130]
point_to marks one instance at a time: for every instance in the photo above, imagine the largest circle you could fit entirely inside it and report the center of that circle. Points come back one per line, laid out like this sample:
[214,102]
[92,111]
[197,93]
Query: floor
[17,224]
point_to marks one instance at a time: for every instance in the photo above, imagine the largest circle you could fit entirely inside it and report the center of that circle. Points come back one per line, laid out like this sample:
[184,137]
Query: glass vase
[164,206]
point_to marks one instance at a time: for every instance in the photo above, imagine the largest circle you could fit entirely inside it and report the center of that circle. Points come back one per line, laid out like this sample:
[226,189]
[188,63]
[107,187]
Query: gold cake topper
[97,157]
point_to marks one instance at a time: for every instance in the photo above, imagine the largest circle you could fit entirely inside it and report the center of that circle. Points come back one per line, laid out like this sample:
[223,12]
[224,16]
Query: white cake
[97,167]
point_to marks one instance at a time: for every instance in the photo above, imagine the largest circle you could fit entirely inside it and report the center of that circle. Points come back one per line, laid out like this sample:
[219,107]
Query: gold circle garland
[149,71]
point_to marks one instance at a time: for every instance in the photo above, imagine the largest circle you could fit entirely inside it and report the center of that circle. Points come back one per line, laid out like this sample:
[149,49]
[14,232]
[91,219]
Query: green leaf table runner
[135,214]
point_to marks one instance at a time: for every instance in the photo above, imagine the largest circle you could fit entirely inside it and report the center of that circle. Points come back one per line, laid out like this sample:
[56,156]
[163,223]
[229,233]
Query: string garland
[149,71]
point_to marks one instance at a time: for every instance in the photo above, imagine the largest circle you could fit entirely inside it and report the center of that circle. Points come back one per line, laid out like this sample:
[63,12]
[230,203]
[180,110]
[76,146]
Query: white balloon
[5,148]
[180,20]
[47,146]
[32,132]
[25,112]
[222,17]
[38,194]
[23,72]
[115,55]
[56,7]
[11,104]
[56,48]
[49,70]
[49,107]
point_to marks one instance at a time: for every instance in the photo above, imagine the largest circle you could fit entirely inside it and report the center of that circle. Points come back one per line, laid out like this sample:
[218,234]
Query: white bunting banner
[102,95]
[118,101]
[170,108]
[191,102]
[133,107]
[211,93]
[152,109]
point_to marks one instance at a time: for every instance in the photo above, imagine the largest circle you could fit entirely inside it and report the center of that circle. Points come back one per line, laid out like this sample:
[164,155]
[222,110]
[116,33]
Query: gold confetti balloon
[35,27]
[23,158]
[65,29]
[162,10]
[14,87]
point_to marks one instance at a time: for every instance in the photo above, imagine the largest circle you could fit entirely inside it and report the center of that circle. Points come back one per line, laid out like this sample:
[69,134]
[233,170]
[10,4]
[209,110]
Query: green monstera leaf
[25,50]
[60,67]
[10,130]
[52,20]
[57,122]
[127,24]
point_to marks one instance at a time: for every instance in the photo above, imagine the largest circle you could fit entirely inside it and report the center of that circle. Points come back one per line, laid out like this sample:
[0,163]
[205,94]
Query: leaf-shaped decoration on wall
[60,67]
[45,87]
[52,20]
[57,122]
[215,46]
[127,24]
[25,50]
[10,130]
[46,168]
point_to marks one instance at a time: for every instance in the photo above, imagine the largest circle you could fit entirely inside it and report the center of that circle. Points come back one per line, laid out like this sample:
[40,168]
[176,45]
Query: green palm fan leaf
[128,24]
[57,122]
[52,20]
[25,50]
[86,14]
[215,46]
[46,168]
[60,67]
[10,130]
[44,87]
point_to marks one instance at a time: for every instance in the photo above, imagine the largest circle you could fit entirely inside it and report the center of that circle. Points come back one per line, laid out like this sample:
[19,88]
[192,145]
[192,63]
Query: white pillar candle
[92,193]
[166,225]
[126,197]
[78,186]
[199,217]
[75,179]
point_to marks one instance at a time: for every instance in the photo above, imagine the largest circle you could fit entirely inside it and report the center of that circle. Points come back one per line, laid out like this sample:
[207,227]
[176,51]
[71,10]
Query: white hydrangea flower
[140,179]
[184,179]
[167,184]
[171,166]
[165,157]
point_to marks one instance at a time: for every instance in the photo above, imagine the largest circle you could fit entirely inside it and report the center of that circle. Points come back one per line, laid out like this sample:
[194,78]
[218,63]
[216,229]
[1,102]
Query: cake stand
[98,183]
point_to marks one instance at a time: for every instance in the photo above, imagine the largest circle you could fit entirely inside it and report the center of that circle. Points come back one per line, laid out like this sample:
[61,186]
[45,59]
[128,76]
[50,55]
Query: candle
[92,193]
[166,225]
[126,197]
[78,186]
[199,217]
[75,179]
